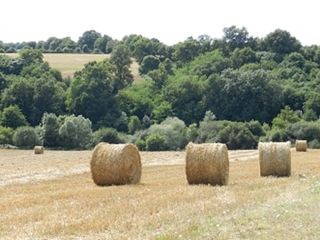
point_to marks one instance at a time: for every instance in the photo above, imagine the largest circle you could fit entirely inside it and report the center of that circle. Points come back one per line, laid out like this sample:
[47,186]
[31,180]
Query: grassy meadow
[163,206]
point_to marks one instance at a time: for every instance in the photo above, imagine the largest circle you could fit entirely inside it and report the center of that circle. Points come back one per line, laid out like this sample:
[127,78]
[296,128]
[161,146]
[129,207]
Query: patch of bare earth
[164,206]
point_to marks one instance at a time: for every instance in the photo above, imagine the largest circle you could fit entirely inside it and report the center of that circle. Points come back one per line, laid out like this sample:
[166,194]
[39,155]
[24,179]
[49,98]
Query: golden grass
[164,206]
[69,63]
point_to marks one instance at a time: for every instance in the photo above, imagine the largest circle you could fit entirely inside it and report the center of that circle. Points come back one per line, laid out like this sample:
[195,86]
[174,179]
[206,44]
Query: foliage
[134,124]
[304,130]
[148,64]
[281,42]
[91,93]
[109,135]
[25,137]
[75,132]
[173,132]
[243,95]
[50,126]
[6,135]
[136,100]
[12,117]
[155,142]
[285,117]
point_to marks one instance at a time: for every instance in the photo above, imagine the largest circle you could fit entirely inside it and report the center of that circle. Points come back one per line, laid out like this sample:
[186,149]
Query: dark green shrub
[134,124]
[155,142]
[25,137]
[141,144]
[304,130]
[109,135]
[6,135]
[314,144]
[12,117]
[50,130]
[237,136]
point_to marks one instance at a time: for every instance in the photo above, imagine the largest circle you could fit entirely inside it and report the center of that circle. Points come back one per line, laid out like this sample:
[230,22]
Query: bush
[314,144]
[12,117]
[209,129]
[304,130]
[192,133]
[6,135]
[256,128]
[275,135]
[237,136]
[50,129]
[25,137]
[149,63]
[172,130]
[109,135]
[134,124]
[155,142]
[141,144]
[76,132]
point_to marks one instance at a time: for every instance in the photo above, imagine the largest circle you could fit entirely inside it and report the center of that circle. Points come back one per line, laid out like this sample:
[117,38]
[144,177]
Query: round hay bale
[38,150]
[301,145]
[115,164]
[207,163]
[275,159]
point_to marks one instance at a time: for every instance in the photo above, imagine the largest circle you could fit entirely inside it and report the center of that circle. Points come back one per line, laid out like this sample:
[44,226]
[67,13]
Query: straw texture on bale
[207,163]
[38,150]
[275,159]
[301,145]
[115,164]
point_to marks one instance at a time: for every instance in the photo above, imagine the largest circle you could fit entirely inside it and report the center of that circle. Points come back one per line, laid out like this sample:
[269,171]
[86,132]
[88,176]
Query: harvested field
[22,166]
[163,206]
[69,63]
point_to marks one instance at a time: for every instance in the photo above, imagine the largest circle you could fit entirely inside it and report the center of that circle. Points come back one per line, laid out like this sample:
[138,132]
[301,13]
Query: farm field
[69,63]
[53,196]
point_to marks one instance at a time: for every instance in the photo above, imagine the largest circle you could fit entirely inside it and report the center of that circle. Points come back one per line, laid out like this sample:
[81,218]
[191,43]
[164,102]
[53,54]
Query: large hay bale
[38,150]
[115,164]
[301,145]
[275,159]
[207,163]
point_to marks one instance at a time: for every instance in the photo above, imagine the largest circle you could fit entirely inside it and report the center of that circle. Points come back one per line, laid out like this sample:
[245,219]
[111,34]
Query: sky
[170,21]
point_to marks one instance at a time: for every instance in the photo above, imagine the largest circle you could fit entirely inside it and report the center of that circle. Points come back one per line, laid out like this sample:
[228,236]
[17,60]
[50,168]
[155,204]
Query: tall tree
[120,57]
[281,42]
[91,92]
[88,38]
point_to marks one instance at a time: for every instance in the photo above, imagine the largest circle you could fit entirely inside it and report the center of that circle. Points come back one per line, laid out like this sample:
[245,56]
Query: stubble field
[52,196]
[69,63]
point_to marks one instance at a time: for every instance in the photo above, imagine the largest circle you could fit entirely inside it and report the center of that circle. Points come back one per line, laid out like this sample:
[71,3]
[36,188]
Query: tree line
[89,42]
[238,90]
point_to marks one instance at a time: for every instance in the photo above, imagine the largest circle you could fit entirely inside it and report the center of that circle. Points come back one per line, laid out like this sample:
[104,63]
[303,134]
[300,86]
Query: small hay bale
[207,163]
[275,159]
[38,150]
[115,164]
[301,145]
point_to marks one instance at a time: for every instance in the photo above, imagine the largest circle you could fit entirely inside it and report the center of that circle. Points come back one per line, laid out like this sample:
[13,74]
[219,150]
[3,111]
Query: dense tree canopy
[238,90]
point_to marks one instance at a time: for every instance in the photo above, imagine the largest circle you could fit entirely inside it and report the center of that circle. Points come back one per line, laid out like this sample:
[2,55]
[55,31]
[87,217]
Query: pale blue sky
[170,21]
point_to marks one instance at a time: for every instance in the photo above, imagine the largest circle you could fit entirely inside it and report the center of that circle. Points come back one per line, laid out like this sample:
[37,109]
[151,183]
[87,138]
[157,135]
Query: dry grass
[69,63]
[164,206]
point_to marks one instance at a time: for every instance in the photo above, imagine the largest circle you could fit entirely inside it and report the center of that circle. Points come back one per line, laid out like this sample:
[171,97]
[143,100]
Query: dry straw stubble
[275,159]
[38,150]
[115,164]
[301,145]
[207,163]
